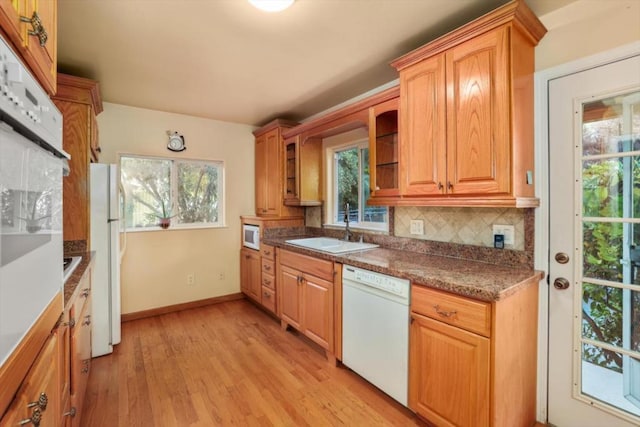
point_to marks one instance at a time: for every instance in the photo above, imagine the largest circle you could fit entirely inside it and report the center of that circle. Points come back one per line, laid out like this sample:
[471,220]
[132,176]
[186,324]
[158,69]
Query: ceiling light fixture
[271,5]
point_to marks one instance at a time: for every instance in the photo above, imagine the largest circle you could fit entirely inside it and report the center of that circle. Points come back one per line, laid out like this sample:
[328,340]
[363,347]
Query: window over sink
[348,173]
[190,192]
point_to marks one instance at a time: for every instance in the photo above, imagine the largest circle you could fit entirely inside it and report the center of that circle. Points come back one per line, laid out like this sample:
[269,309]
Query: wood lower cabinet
[78,100]
[250,283]
[306,296]
[36,43]
[39,395]
[80,349]
[473,363]
[466,114]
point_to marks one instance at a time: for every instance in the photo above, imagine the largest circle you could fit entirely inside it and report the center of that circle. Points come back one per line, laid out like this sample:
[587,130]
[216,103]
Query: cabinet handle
[87,320]
[440,186]
[99,149]
[444,313]
[36,417]
[71,323]
[267,267]
[267,253]
[38,28]
[40,403]
[266,294]
[267,281]
[449,185]
[71,413]
[85,293]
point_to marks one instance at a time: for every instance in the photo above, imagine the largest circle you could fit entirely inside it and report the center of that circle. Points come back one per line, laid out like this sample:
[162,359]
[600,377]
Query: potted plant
[33,222]
[164,217]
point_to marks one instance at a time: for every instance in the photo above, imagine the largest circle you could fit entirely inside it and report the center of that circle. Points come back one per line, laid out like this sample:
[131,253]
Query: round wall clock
[176,142]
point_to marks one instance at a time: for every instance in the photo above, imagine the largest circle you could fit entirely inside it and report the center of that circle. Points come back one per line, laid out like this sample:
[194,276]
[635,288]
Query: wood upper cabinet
[466,114]
[383,149]
[303,171]
[34,37]
[79,101]
[269,171]
[250,282]
[473,363]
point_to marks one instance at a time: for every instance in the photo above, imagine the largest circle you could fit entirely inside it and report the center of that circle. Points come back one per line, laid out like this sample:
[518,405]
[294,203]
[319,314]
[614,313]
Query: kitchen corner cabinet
[250,273]
[466,114]
[269,170]
[473,363]
[383,149]
[305,293]
[79,101]
[303,171]
[36,42]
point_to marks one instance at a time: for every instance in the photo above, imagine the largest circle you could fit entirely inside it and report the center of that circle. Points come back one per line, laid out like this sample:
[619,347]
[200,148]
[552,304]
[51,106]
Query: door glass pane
[611,251]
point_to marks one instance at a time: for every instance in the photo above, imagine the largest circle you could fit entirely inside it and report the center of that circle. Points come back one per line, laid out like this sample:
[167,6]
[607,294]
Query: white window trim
[329,207]
[191,226]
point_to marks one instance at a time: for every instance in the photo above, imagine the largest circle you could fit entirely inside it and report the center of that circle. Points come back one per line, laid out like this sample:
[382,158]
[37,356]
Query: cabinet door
[383,149]
[261,175]
[250,282]
[318,311]
[80,357]
[273,199]
[291,170]
[290,295]
[422,124]
[42,380]
[449,374]
[44,54]
[478,111]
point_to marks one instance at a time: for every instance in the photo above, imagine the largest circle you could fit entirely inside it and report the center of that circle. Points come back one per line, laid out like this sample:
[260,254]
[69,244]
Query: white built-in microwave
[251,236]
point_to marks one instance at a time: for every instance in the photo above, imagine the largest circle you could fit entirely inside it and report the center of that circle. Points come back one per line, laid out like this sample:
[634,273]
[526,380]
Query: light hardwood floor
[227,364]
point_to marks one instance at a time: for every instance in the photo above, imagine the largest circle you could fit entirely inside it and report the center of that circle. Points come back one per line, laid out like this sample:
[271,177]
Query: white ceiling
[225,60]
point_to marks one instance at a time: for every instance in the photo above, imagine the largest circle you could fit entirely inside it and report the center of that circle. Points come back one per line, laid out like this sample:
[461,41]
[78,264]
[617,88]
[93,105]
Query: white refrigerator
[107,204]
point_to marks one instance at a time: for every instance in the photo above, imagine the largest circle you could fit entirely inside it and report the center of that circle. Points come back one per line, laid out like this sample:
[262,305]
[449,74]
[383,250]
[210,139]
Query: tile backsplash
[468,226]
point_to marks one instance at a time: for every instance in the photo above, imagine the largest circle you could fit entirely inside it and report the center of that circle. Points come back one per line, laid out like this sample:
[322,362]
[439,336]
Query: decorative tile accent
[468,226]
[313,216]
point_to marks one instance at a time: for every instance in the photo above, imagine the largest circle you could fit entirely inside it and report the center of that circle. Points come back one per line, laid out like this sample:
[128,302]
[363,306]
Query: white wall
[156,264]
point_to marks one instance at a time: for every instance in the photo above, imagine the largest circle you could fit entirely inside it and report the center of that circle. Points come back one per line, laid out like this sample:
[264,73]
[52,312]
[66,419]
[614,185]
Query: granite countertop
[474,279]
[71,285]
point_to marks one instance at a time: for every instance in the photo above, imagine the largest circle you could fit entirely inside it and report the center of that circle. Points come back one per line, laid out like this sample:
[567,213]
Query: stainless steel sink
[330,245]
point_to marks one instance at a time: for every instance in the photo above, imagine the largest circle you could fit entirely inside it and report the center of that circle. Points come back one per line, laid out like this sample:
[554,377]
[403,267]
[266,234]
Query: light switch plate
[508,231]
[417,226]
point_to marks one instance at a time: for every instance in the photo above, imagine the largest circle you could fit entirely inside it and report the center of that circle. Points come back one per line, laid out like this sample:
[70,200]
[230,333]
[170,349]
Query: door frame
[541,144]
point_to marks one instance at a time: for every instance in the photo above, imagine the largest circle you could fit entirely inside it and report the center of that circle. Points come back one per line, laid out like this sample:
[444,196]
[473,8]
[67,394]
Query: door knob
[562,258]
[561,283]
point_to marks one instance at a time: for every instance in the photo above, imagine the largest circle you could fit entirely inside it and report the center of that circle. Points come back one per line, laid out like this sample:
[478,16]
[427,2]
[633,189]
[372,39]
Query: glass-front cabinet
[302,171]
[383,150]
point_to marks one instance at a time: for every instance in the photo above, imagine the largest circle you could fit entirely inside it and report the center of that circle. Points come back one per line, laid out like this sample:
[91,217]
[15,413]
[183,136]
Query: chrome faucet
[347,232]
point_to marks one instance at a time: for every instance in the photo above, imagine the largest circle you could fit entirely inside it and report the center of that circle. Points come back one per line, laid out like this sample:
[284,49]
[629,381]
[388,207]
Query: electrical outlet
[508,231]
[417,226]
[221,276]
[191,279]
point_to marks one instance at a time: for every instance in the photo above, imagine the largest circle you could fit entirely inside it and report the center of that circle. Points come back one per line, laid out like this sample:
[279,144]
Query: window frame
[330,209]
[173,185]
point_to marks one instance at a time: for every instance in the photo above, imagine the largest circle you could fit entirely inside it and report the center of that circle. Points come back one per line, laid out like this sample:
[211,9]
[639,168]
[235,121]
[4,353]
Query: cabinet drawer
[267,251]
[268,280]
[268,266]
[317,267]
[465,313]
[269,298]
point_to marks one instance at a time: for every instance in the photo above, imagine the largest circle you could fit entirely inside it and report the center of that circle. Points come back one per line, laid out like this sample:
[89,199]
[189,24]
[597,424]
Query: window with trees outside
[190,192]
[350,189]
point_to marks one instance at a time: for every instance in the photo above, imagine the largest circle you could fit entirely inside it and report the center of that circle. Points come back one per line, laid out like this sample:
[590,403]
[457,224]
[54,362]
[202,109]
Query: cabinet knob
[87,320]
[36,417]
[266,294]
[85,293]
[41,403]
[99,149]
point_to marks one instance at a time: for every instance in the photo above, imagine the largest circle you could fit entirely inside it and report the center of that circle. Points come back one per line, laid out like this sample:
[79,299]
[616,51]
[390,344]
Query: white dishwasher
[375,329]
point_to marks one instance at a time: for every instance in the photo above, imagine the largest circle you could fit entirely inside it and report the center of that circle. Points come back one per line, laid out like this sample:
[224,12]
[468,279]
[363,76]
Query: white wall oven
[31,168]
